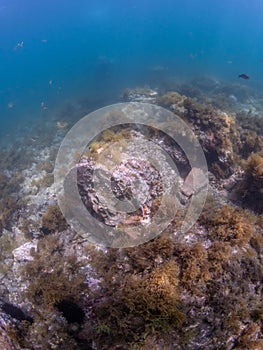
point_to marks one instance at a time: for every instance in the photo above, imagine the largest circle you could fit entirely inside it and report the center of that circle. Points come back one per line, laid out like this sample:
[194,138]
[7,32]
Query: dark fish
[244,76]
[15,312]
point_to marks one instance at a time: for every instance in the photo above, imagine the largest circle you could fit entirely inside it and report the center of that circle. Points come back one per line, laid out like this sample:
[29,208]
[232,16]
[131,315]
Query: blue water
[51,51]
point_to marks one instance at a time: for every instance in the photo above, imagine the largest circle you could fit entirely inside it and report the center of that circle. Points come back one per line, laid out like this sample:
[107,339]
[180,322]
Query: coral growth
[250,188]
[9,201]
[229,224]
[250,142]
[53,220]
[217,133]
[135,303]
[148,255]
[52,284]
[172,100]
[56,287]
[195,268]
[249,121]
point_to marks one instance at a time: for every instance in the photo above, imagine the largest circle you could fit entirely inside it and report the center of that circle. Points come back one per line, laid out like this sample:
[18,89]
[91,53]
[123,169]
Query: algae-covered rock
[250,188]
[172,100]
[217,132]
[53,220]
[140,95]
[198,290]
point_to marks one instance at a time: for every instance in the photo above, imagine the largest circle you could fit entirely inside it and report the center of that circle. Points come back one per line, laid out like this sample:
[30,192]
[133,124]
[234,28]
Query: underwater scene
[131,177]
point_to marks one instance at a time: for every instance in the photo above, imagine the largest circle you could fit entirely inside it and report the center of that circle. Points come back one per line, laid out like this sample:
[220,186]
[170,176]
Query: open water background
[51,51]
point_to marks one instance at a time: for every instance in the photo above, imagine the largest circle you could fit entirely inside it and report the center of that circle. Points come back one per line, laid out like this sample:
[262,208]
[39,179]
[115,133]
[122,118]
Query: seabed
[199,290]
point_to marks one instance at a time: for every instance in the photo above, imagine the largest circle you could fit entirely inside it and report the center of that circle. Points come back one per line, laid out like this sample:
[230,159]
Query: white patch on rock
[193,182]
[22,253]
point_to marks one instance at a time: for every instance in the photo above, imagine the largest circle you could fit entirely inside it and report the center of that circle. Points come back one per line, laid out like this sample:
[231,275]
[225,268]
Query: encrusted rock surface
[140,95]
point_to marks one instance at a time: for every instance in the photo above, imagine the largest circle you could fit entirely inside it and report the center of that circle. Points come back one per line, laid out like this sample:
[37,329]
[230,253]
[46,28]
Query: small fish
[19,45]
[192,55]
[62,125]
[43,106]
[244,76]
